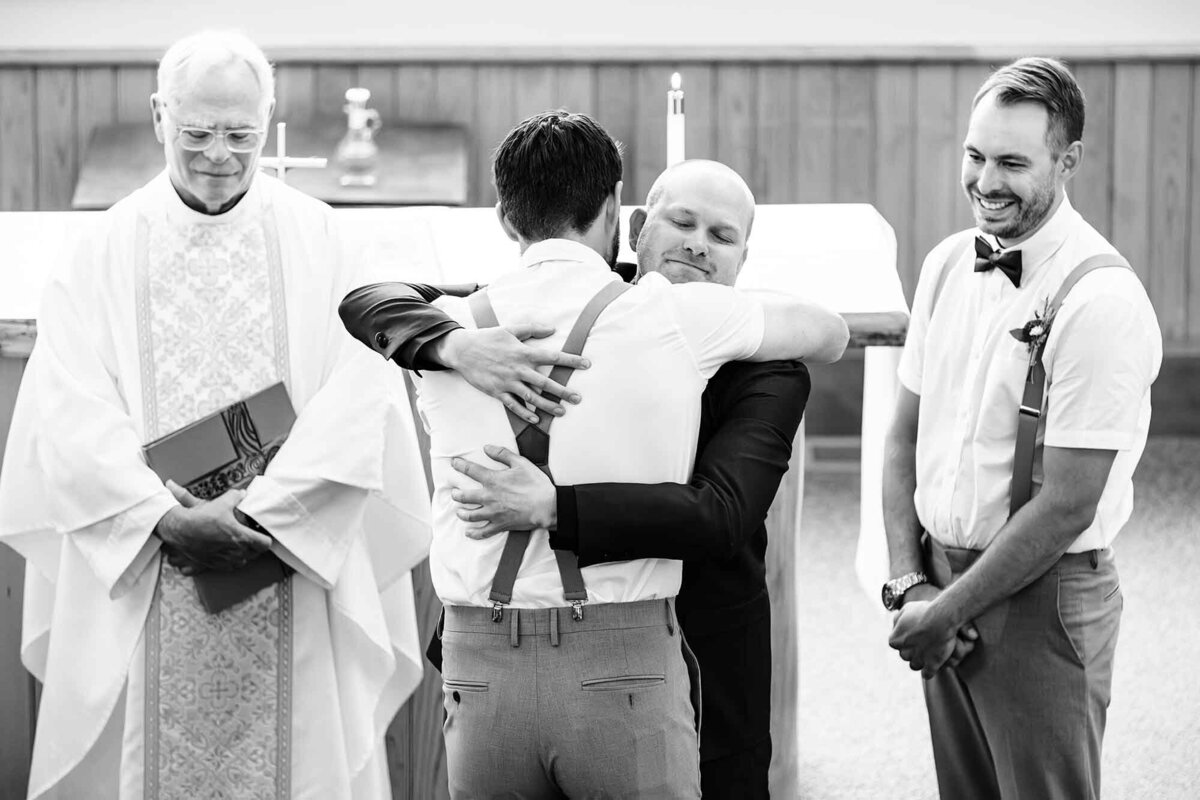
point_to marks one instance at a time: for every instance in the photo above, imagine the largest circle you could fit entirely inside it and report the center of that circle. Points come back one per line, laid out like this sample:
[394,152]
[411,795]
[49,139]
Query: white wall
[491,24]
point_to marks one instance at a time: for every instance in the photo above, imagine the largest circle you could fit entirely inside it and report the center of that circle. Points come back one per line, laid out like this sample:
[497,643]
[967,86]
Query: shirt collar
[563,250]
[1037,249]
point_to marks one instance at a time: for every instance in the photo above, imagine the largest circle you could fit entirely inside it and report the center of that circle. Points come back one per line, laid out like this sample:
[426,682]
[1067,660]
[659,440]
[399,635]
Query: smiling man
[1030,587]
[202,288]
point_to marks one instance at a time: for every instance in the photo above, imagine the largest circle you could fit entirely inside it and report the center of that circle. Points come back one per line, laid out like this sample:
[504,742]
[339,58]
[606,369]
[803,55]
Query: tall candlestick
[281,151]
[675,121]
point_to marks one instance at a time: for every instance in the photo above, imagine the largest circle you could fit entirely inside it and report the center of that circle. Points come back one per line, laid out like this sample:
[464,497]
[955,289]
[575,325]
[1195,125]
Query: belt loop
[670,618]
[515,634]
[1095,558]
[554,627]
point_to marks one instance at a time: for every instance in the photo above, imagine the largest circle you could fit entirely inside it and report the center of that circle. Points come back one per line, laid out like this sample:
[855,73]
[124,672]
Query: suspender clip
[577,610]
[497,612]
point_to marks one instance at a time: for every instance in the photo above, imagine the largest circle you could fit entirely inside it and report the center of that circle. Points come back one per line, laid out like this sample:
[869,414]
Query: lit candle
[281,151]
[675,121]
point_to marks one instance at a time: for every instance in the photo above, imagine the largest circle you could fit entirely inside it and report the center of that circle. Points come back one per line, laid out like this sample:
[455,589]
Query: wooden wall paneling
[895,150]
[968,77]
[1169,197]
[57,139]
[18,148]
[575,89]
[1193,251]
[813,162]
[535,90]
[617,111]
[416,92]
[775,124]
[648,149]
[454,100]
[135,84]
[854,133]
[380,81]
[295,90]
[737,113]
[1132,116]
[96,104]
[331,83]
[495,102]
[938,155]
[17,702]
[699,109]
[1091,188]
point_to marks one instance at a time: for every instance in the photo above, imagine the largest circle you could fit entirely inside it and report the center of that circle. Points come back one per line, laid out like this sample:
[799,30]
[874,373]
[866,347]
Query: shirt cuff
[413,353]
[566,535]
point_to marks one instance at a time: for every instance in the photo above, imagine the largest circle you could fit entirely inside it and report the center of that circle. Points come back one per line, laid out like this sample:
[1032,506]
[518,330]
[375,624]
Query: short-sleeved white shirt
[652,352]
[1103,352]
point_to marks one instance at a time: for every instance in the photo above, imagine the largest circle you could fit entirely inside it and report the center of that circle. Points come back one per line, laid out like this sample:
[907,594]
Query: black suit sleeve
[396,320]
[755,413]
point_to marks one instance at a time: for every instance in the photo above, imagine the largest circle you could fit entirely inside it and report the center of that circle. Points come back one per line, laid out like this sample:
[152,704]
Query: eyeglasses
[237,140]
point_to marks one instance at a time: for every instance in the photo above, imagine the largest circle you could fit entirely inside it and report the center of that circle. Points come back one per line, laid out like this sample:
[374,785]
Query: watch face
[889,597]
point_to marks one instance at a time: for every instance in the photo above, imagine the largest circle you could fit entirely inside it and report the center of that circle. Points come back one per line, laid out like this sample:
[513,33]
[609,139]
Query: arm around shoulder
[800,329]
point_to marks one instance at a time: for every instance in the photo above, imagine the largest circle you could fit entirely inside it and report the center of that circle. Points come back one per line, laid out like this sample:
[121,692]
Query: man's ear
[270,112]
[509,230]
[156,116]
[1071,159]
[615,199]
[637,220]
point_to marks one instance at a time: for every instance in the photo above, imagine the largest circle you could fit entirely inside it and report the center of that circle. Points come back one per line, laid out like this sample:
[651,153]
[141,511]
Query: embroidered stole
[212,329]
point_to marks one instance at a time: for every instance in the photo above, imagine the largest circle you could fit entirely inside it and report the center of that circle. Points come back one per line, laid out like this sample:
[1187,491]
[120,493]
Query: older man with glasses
[251,642]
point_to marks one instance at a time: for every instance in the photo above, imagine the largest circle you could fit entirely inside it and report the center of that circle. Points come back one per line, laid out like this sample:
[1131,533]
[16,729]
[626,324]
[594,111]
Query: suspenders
[533,442]
[1030,412]
[1035,388]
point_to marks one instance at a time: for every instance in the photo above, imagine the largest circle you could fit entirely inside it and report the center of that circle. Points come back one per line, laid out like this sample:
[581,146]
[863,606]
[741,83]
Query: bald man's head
[696,224]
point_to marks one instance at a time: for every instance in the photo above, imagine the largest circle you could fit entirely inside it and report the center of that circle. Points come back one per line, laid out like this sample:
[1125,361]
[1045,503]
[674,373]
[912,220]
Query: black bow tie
[986,258]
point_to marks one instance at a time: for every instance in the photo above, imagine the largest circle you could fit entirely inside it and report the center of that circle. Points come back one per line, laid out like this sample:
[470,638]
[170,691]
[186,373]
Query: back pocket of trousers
[466,686]
[623,683]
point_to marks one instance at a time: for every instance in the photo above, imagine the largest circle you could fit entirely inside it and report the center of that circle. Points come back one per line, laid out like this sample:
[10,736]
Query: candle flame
[676,82]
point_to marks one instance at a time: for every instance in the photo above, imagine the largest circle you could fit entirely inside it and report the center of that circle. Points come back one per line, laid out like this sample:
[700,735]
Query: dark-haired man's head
[558,175]
[1024,142]
[696,224]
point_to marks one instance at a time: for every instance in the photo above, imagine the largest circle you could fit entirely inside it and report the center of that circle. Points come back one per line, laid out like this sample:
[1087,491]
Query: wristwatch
[894,590]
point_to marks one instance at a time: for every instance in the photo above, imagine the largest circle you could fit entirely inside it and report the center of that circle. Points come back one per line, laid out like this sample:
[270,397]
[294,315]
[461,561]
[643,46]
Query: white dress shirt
[1102,354]
[652,353]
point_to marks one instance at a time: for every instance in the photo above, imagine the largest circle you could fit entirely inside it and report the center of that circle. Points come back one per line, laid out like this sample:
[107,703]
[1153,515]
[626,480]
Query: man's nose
[695,244]
[989,181]
[216,151]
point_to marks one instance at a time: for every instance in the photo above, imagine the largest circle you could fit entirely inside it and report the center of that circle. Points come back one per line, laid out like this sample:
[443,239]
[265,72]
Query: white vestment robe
[160,316]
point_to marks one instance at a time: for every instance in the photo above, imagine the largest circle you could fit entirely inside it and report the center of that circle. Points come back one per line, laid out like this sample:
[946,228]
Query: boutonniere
[1034,332]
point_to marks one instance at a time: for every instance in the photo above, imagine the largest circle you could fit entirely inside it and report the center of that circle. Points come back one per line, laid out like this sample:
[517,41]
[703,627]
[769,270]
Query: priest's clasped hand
[927,640]
[497,362]
[518,498]
[201,535]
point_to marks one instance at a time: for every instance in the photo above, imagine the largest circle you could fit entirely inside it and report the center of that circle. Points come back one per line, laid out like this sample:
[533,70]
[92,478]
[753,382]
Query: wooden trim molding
[16,338]
[628,54]
[866,330]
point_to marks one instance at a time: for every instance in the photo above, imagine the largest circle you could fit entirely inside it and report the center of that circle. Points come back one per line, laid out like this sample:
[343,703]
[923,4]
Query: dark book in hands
[222,451]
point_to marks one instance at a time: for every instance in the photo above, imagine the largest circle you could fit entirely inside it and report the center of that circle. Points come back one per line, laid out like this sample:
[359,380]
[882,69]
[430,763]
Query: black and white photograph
[536,401]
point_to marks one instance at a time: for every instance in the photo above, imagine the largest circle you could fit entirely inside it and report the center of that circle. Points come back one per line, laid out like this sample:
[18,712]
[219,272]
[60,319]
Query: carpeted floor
[864,734]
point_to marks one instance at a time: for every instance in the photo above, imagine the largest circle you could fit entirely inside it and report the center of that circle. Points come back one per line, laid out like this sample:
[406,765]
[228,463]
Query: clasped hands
[203,535]
[926,639]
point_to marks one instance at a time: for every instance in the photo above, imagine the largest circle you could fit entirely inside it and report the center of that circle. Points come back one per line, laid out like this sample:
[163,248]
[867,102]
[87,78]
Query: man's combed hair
[553,172]
[213,48]
[1046,81]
